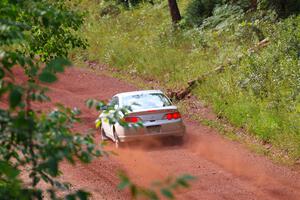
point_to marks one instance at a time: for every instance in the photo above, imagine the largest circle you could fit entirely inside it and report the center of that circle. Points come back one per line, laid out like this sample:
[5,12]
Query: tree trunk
[254,4]
[175,14]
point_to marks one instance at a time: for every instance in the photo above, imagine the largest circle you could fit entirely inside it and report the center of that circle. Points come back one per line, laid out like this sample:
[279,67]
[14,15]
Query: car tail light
[176,115]
[131,119]
[170,116]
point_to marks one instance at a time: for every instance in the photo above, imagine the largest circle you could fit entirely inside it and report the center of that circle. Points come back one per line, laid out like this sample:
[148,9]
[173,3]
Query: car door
[108,128]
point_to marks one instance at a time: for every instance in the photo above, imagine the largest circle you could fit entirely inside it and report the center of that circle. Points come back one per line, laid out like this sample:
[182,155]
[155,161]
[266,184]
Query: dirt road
[224,169]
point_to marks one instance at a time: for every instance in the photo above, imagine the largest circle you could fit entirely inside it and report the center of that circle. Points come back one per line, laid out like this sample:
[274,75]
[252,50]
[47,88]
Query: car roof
[138,92]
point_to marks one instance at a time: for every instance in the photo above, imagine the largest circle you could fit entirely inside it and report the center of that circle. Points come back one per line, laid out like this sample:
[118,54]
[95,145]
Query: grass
[141,42]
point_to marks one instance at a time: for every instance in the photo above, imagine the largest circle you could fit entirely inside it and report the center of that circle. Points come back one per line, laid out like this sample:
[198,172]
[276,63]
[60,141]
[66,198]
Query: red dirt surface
[224,169]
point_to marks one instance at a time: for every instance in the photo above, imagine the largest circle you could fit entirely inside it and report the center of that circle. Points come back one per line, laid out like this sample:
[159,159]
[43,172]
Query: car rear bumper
[128,138]
[130,134]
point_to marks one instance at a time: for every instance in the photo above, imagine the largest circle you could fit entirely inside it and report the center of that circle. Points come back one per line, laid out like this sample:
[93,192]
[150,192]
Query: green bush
[274,74]
[132,3]
[223,17]
[244,4]
[198,10]
[111,10]
[284,8]
[36,36]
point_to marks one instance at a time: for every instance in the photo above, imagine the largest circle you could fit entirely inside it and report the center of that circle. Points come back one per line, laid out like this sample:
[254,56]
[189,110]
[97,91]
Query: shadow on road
[152,144]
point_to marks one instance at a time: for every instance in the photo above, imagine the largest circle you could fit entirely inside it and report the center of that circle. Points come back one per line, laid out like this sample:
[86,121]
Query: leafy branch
[164,188]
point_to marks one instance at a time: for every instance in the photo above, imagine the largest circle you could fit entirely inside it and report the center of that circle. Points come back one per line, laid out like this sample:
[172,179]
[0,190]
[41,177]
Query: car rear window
[145,101]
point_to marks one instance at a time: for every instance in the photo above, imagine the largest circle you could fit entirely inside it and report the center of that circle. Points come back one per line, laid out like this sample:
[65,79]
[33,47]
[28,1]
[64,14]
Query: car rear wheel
[116,139]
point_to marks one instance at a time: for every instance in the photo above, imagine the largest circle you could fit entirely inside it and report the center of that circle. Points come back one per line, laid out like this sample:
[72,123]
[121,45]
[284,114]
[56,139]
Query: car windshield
[145,101]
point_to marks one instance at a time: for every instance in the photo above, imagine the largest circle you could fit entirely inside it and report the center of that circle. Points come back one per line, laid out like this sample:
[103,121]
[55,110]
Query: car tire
[116,139]
[103,135]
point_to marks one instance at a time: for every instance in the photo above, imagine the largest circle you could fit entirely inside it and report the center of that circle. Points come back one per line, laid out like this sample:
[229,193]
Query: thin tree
[254,4]
[174,11]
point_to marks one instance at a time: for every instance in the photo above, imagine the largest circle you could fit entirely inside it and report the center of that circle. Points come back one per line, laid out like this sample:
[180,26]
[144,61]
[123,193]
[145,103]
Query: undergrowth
[259,91]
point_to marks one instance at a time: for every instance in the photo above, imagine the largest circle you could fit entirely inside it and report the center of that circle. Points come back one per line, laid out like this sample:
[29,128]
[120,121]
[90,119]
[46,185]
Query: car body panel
[154,123]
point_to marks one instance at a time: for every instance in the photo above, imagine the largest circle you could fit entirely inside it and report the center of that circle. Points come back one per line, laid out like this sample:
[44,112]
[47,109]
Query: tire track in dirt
[225,169]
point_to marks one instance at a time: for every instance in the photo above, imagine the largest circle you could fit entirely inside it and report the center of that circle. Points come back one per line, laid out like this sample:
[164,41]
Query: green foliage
[283,8]
[112,115]
[111,10]
[261,92]
[53,29]
[244,4]
[198,10]
[224,17]
[274,73]
[132,3]
[165,188]
[31,33]
[39,141]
